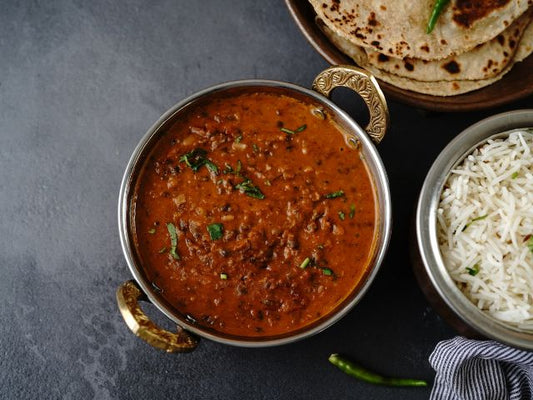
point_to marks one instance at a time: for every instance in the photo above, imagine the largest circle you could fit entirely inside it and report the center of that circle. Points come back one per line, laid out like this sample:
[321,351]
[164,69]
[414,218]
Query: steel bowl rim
[426,234]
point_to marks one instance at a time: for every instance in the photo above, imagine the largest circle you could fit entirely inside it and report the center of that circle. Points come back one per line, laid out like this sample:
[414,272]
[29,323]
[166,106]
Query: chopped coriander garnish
[327,271]
[530,243]
[480,218]
[305,263]
[514,175]
[256,149]
[352,211]
[215,231]
[320,247]
[334,195]
[173,240]
[162,250]
[228,169]
[219,181]
[287,131]
[238,139]
[248,188]
[341,215]
[474,220]
[211,167]
[223,276]
[297,130]
[267,183]
[196,159]
[151,231]
[474,270]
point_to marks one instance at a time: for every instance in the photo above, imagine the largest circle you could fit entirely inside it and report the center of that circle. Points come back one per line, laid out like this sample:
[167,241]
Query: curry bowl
[254,213]
[437,275]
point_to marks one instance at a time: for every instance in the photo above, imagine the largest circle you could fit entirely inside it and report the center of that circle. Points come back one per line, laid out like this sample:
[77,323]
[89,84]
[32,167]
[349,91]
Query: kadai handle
[366,86]
[128,296]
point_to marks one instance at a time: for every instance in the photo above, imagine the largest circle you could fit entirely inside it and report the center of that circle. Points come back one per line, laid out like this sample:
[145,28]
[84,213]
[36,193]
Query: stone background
[80,83]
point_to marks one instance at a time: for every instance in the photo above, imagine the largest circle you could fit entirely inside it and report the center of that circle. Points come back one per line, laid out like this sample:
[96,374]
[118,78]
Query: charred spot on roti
[396,66]
[467,12]
[335,5]
[408,66]
[501,39]
[372,21]
[425,48]
[512,43]
[455,86]
[489,63]
[505,54]
[374,43]
[452,67]
[324,5]
[383,58]
[443,42]
[383,7]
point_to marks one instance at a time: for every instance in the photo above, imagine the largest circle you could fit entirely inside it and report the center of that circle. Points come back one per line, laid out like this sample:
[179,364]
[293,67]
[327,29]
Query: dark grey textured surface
[80,82]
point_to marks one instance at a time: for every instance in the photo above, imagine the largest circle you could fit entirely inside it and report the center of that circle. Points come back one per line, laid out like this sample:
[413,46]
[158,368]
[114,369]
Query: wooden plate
[515,85]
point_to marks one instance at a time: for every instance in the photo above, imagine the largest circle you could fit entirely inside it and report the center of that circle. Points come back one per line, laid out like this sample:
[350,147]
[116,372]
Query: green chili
[365,375]
[435,13]
[342,216]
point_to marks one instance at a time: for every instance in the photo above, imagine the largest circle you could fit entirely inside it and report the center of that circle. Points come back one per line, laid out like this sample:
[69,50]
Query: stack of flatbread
[474,43]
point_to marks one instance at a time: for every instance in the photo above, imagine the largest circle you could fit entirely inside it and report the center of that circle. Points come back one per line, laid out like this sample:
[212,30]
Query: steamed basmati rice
[484,227]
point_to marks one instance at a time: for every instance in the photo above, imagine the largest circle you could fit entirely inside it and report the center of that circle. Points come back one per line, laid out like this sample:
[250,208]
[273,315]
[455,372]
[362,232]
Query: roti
[398,29]
[436,88]
[485,61]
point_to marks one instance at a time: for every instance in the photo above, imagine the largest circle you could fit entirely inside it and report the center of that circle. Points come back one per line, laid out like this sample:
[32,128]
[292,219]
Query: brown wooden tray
[515,85]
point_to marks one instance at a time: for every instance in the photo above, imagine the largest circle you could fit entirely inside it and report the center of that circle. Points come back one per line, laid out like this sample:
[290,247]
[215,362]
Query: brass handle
[366,86]
[128,296]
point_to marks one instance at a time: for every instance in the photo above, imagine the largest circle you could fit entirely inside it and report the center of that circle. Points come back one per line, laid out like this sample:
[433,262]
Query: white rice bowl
[485,227]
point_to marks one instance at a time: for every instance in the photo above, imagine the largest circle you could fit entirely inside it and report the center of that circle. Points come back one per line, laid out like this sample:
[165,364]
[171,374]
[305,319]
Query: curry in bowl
[254,215]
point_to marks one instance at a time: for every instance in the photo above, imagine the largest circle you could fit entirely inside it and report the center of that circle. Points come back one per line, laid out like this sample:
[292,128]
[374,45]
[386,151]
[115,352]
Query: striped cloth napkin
[479,370]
